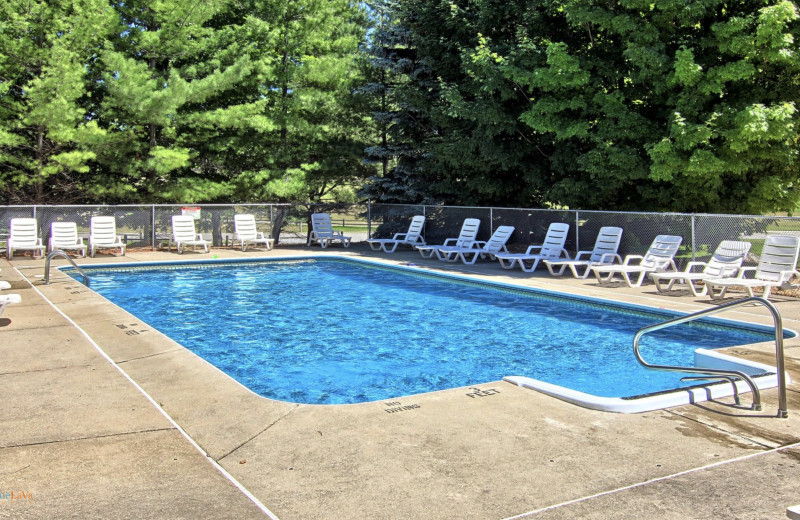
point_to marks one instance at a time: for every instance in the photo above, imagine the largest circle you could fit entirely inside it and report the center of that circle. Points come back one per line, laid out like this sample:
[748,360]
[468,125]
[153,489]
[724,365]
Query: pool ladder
[59,252]
[718,373]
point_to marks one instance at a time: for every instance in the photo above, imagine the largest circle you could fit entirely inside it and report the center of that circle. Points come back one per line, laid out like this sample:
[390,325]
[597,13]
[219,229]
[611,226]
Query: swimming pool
[332,331]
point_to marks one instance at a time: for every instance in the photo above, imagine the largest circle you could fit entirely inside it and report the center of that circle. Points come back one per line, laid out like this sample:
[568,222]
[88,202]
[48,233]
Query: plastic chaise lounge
[777,265]
[23,235]
[64,236]
[103,234]
[184,234]
[322,232]
[412,237]
[246,233]
[551,249]
[659,258]
[604,253]
[469,255]
[466,238]
[725,262]
[8,299]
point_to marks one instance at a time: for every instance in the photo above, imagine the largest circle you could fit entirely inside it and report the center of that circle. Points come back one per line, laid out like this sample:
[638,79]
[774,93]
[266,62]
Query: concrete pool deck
[96,404]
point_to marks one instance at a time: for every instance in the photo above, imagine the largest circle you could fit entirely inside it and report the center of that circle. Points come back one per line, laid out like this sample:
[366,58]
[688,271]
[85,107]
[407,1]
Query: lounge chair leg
[560,271]
[510,264]
[697,291]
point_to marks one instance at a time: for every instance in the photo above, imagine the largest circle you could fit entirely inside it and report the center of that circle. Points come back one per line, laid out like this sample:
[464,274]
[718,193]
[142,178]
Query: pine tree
[305,52]
[161,85]
[47,136]
[397,80]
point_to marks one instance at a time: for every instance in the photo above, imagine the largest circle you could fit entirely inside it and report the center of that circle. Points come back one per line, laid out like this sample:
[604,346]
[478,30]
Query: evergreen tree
[161,85]
[396,76]
[305,52]
[47,137]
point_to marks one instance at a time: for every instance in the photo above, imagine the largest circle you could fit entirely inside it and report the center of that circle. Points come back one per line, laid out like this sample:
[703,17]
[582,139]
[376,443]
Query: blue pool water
[336,331]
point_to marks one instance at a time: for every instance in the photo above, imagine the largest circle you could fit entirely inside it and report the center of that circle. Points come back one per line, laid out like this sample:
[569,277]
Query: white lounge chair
[659,258]
[103,234]
[322,231]
[245,232]
[551,249]
[184,234]
[23,235]
[8,299]
[603,253]
[725,262]
[64,236]
[776,267]
[466,237]
[412,237]
[469,255]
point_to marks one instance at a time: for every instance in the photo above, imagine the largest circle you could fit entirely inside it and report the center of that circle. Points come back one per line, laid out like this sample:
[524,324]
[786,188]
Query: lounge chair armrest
[565,253]
[450,241]
[199,236]
[398,235]
[744,270]
[582,254]
[478,244]
[531,249]
[632,257]
[80,241]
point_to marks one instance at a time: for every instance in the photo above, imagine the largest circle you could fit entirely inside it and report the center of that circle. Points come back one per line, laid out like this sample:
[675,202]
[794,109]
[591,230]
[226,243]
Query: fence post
[577,231]
[693,239]
[369,218]
[153,227]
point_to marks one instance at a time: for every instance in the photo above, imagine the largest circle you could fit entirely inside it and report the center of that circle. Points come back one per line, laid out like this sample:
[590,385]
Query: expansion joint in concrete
[273,423]
[87,438]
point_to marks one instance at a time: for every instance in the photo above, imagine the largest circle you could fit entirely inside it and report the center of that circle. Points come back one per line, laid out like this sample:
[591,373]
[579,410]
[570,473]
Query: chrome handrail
[59,252]
[783,411]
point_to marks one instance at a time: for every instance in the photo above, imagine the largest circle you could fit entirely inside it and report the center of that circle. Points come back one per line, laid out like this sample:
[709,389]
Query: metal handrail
[59,252]
[783,411]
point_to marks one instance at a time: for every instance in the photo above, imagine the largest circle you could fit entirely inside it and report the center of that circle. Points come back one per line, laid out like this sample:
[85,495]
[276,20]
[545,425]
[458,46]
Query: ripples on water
[341,332]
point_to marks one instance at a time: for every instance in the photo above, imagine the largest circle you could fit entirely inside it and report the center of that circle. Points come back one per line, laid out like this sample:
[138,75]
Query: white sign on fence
[191,211]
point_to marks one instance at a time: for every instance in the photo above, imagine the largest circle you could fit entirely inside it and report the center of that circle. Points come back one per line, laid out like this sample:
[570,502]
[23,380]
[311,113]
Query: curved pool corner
[679,397]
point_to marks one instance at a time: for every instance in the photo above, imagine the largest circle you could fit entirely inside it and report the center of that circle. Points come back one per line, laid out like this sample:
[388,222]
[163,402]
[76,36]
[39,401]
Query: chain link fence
[149,226]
